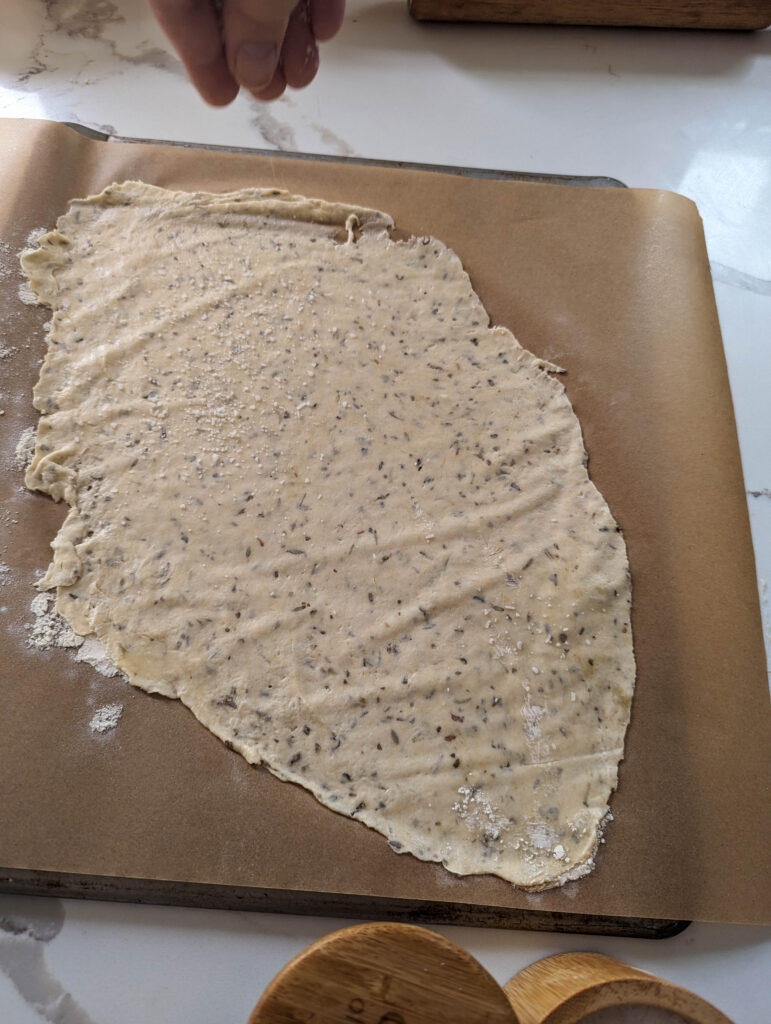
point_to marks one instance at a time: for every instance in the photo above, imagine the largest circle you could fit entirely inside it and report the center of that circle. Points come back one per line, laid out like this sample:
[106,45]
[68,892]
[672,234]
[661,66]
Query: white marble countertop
[685,111]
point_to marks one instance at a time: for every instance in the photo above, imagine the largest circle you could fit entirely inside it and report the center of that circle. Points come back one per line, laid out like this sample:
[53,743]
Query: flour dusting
[33,238]
[94,653]
[6,255]
[106,718]
[49,630]
[26,295]
[479,814]
[25,448]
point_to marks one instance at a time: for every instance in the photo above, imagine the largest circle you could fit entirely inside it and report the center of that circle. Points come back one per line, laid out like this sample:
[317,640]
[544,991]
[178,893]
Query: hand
[260,45]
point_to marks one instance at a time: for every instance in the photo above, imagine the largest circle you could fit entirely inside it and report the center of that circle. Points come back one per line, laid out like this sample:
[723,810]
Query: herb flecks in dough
[319,500]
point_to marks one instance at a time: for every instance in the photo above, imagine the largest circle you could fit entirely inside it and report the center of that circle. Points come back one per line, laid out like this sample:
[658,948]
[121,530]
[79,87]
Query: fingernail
[255,64]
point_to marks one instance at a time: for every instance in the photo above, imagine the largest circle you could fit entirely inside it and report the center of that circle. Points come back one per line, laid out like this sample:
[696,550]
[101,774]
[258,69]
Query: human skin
[262,46]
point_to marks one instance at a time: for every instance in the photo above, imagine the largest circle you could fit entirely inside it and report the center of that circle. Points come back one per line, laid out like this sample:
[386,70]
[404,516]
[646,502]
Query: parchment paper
[614,286]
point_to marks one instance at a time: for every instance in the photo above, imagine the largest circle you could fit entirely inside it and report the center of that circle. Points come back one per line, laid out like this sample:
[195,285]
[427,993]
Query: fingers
[274,89]
[300,55]
[326,18]
[194,31]
[254,36]
[262,45]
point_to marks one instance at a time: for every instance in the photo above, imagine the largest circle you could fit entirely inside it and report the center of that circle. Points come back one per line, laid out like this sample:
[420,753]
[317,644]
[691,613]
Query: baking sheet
[613,285]
[585,181]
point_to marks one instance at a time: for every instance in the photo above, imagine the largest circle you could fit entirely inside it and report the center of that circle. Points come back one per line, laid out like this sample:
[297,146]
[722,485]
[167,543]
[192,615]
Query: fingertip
[273,90]
[220,94]
[326,18]
[300,54]
[219,100]
[254,35]
[214,82]
[255,63]
[301,74]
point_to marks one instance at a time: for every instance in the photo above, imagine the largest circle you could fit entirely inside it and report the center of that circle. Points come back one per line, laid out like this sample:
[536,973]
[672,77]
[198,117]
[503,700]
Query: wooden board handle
[710,14]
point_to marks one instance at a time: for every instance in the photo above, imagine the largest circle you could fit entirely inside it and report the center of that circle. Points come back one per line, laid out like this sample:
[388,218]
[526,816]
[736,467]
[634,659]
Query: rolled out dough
[318,499]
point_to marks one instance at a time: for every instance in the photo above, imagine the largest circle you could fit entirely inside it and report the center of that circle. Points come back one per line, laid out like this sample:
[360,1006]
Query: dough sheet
[317,498]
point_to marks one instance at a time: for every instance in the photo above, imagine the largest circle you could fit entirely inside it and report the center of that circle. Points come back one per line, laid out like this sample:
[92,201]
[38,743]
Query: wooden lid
[384,974]
[566,988]
[389,973]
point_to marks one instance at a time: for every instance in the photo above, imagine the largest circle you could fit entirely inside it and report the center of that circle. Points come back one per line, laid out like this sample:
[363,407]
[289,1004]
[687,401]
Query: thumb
[254,34]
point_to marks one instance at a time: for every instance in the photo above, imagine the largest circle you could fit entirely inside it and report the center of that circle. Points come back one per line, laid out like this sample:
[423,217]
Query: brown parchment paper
[614,286]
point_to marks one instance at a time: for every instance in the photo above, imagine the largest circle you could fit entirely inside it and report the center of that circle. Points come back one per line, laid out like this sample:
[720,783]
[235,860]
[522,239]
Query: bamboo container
[391,973]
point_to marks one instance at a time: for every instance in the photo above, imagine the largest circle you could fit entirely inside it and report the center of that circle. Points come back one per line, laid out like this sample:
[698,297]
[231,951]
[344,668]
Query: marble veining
[86,18]
[739,279]
[27,924]
[333,143]
[275,132]
[282,135]
[77,44]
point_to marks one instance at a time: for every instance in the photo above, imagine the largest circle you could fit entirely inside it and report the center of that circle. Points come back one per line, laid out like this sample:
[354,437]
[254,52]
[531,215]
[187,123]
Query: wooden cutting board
[711,14]
[613,285]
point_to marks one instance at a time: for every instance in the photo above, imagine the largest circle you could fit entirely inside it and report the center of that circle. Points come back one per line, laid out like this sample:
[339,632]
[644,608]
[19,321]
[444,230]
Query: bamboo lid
[384,974]
[570,988]
[390,973]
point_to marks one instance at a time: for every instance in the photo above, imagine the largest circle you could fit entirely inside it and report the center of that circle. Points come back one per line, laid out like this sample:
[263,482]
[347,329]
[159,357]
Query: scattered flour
[106,718]
[6,351]
[541,835]
[532,714]
[25,448]
[40,602]
[479,814]
[26,295]
[5,572]
[6,260]
[50,630]
[94,653]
